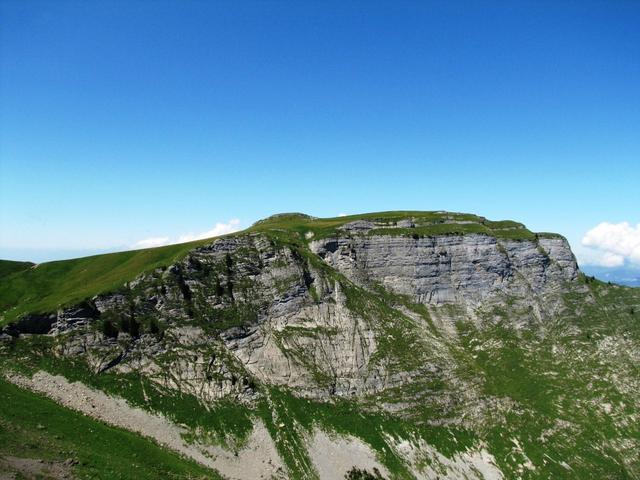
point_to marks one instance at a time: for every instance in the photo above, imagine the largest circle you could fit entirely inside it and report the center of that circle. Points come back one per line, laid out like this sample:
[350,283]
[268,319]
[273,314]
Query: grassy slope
[8,267]
[35,427]
[53,284]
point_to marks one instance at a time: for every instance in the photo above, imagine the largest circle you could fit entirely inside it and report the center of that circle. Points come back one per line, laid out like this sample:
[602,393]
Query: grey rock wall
[460,269]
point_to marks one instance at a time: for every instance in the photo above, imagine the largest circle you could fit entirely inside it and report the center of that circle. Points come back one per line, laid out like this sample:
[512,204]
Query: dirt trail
[258,459]
[11,467]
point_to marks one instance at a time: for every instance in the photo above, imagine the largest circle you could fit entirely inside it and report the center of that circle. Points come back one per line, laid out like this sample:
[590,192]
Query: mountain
[387,345]
[628,275]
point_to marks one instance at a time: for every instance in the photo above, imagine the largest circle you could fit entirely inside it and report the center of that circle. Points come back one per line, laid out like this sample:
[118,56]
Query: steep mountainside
[397,344]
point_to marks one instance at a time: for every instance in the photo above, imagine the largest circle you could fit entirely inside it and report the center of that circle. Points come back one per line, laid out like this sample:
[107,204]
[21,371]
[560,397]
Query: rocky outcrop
[457,269]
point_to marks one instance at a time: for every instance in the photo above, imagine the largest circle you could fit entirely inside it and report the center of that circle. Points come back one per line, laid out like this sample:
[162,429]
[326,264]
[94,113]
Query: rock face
[236,309]
[465,270]
[248,308]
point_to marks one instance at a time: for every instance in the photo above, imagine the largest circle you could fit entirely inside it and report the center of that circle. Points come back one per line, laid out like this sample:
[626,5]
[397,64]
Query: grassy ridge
[430,223]
[35,427]
[8,267]
[50,285]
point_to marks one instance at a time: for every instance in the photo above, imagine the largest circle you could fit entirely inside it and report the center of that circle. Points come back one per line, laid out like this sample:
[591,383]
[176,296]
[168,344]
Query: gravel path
[258,459]
[12,468]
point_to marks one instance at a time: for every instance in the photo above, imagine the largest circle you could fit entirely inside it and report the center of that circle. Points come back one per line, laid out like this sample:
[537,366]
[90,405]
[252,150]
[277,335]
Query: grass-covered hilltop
[396,345]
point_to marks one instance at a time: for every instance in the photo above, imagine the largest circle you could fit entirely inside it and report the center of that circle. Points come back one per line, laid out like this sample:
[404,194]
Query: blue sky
[122,122]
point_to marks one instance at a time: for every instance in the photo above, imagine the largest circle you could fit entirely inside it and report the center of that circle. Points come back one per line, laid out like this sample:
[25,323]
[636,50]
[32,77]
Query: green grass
[550,235]
[50,285]
[555,373]
[431,223]
[35,427]
[7,267]
[444,229]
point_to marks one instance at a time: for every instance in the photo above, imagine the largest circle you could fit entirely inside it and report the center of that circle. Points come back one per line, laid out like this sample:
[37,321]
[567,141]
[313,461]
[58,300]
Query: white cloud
[611,244]
[599,258]
[151,242]
[342,214]
[218,229]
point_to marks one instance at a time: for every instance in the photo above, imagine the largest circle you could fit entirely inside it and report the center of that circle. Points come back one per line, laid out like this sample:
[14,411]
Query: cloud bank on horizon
[219,229]
[612,245]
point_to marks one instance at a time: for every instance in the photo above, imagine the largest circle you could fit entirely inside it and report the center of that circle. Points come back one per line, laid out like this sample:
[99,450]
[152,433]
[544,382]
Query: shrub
[109,330]
[130,326]
[153,326]
[356,474]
